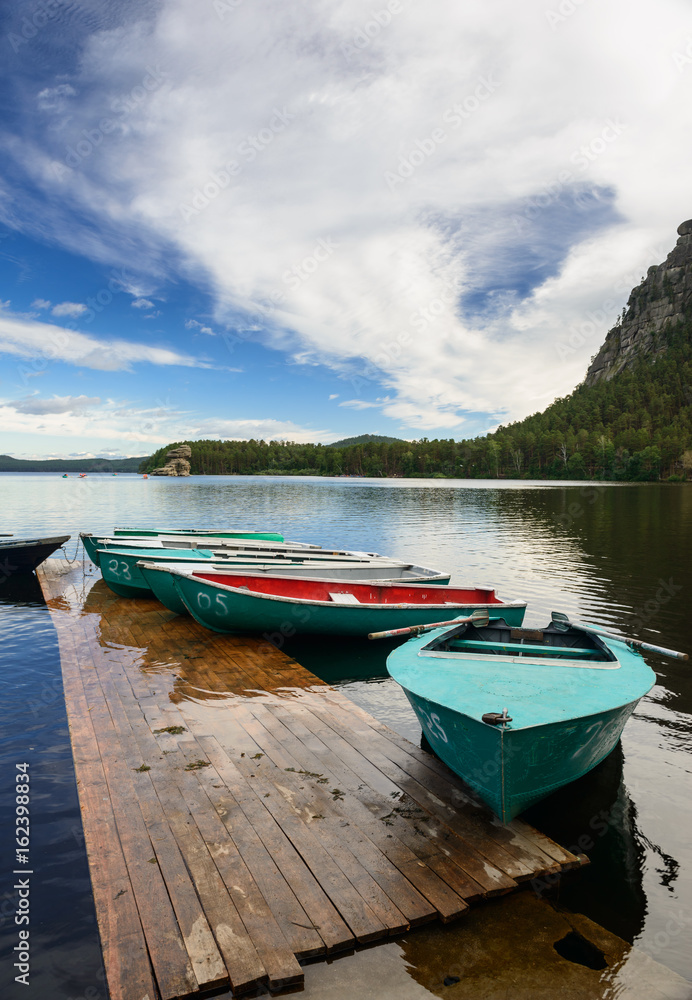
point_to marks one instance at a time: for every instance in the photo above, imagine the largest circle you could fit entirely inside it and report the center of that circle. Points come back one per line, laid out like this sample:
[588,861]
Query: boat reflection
[596,816]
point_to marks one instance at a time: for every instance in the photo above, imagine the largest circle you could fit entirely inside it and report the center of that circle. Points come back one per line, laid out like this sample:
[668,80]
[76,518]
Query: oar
[562,621]
[478,618]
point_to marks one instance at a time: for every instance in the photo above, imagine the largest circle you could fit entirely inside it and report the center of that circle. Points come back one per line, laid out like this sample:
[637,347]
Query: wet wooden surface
[240,815]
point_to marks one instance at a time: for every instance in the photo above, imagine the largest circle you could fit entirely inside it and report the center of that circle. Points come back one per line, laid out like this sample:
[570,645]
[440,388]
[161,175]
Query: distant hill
[364,439]
[9,464]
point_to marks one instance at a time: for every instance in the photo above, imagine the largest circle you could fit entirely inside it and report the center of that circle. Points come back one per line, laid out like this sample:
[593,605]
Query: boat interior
[500,639]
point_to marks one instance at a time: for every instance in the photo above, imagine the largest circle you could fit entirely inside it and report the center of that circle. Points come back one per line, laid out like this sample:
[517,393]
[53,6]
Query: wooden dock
[240,815]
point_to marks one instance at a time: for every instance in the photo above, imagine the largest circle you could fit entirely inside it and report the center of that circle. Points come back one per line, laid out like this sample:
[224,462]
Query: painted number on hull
[432,721]
[204,602]
[124,570]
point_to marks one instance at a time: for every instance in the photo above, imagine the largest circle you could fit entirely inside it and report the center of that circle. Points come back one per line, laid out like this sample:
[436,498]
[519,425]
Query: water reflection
[65,951]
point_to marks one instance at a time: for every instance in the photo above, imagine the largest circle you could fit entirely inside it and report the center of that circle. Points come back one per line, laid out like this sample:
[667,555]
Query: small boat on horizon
[246,602]
[516,712]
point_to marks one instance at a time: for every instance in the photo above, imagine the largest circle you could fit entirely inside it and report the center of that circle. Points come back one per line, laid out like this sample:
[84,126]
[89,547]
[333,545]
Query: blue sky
[246,218]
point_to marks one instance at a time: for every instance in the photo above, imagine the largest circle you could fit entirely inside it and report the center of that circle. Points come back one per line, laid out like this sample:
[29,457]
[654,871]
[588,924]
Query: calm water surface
[619,556]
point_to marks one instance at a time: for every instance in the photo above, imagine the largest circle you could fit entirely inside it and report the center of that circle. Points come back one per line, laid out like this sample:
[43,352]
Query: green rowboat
[270,536]
[517,713]
[298,605]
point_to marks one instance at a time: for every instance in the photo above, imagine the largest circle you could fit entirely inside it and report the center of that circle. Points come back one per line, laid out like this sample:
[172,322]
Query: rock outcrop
[663,299]
[177,462]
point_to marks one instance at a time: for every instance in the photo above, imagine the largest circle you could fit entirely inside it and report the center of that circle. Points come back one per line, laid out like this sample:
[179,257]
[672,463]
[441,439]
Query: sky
[306,221]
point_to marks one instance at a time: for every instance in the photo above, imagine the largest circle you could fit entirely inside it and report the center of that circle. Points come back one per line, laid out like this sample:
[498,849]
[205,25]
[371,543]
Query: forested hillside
[8,464]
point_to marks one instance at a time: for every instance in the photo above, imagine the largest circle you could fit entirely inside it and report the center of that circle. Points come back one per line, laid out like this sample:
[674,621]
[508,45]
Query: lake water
[618,556]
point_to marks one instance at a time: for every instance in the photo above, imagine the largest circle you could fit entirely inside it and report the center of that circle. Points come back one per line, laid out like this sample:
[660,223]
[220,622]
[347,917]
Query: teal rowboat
[290,605]
[518,713]
[270,536]
[92,543]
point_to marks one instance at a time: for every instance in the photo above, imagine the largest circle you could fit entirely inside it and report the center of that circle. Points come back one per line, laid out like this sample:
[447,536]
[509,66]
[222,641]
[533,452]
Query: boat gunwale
[427,575]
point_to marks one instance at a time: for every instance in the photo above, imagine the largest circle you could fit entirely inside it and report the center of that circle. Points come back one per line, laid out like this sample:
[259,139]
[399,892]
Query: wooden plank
[244,965]
[172,966]
[206,960]
[366,820]
[367,873]
[490,877]
[125,955]
[359,916]
[322,914]
[298,929]
[272,947]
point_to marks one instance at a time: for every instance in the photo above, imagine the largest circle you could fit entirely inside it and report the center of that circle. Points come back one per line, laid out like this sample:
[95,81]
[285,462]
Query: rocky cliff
[177,462]
[663,299]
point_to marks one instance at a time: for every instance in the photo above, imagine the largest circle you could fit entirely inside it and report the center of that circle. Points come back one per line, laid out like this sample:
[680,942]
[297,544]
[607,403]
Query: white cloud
[81,418]
[261,429]
[363,189]
[193,324]
[58,404]
[142,304]
[55,98]
[334,395]
[357,404]
[46,342]
[73,309]
[40,304]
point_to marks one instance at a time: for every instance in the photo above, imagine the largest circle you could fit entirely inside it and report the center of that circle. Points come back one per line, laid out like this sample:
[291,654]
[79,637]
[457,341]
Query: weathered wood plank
[205,957]
[125,955]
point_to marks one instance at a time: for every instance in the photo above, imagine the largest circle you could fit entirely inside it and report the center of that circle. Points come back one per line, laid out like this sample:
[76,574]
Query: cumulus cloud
[142,304]
[193,324]
[427,206]
[40,304]
[72,309]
